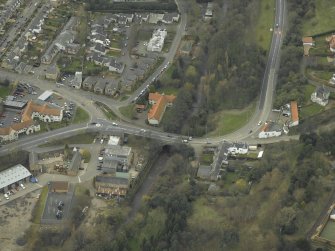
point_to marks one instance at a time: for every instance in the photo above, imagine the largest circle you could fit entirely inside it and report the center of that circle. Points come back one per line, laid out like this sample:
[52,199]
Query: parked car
[23,187]
[6,196]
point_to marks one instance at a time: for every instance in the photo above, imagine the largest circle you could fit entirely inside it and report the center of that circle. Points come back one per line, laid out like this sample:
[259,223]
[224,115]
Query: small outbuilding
[59,186]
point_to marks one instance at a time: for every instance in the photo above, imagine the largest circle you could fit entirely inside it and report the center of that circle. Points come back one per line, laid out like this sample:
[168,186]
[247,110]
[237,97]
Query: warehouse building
[12,177]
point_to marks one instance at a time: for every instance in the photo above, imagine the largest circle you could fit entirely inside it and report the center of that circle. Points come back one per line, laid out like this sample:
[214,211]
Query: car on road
[277,25]
[114,124]
[142,130]
[259,123]
[184,141]
[98,125]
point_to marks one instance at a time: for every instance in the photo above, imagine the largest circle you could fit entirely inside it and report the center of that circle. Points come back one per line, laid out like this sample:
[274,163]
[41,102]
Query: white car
[114,124]
[259,123]
[6,196]
[97,125]
[23,187]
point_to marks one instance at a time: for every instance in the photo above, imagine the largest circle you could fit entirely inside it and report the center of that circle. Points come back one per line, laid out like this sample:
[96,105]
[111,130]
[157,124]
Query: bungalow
[270,129]
[100,86]
[294,114]
[159,103]
[320,96]
[89,82]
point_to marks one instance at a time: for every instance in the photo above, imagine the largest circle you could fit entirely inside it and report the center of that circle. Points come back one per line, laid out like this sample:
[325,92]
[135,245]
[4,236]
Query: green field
[231,120]
[264,23]
[85,138]
[106,110]
[39,208]
[4,91]
[127,111]
[310,110]
[323,20]
[81,116]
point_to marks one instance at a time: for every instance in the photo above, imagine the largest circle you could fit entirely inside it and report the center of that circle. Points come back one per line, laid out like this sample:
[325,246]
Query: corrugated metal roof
[12,175]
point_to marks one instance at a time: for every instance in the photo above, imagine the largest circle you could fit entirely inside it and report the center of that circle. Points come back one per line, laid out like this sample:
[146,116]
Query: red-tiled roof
[161,101]
[294,111]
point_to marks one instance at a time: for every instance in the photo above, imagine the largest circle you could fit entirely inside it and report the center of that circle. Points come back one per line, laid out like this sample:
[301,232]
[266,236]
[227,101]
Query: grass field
[127,111]
[38,210]
[4,91]
[323,20]
[81,116]
[106,110]
[265,22]
[231,120]
[85,138]
[310,110]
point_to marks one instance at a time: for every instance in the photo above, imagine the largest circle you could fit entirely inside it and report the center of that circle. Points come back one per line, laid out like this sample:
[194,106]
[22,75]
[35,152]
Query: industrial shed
[13,176]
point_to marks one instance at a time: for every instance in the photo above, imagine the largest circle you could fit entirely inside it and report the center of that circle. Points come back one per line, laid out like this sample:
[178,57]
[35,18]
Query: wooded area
[226,71]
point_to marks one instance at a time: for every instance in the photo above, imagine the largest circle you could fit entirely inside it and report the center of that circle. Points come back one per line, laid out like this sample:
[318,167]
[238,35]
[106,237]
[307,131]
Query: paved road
[85,99]
[264,105]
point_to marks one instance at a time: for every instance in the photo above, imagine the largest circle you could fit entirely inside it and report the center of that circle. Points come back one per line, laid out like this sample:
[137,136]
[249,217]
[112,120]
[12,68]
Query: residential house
[89,82]
[144,17]
[52,72]
[332,80]
[112,186]
[77,81]
[111,87]
[99,48]
[159,103]
[331,41]
[64,38]
[99,39]
[320,96]
[209,11]
[100,85]
[294,114]
[307,42]
[270,129]
[13,131]
[169,18]
[115,66]
[72,48]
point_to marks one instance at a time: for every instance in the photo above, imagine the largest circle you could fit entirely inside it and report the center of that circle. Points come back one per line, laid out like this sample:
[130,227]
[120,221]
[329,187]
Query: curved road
[85,99]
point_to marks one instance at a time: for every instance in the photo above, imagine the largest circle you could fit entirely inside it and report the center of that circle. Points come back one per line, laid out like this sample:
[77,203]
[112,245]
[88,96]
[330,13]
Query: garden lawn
[323,20]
